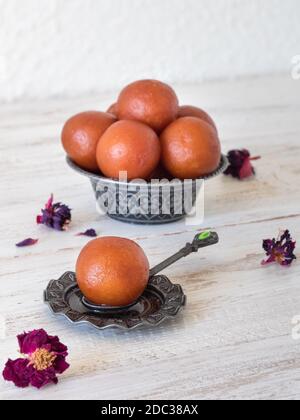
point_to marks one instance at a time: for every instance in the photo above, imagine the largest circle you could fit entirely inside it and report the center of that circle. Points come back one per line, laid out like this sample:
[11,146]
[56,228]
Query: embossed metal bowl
[161,300]
[143,202]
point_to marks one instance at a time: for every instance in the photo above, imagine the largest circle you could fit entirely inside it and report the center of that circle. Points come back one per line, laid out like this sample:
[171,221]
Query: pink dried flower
[44,357]
[240,164]
[280,250]
[56,216]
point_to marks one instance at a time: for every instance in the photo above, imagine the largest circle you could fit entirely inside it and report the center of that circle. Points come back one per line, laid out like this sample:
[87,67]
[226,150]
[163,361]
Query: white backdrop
[69,47]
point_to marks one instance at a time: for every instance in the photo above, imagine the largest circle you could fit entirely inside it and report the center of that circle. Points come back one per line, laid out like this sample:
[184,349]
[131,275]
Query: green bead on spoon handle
[201,240]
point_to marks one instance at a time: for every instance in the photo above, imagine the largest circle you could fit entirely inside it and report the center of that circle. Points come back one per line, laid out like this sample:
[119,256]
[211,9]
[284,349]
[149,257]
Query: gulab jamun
[193,111]
[112,271]
[128,146]
[81,134]
[149,101]
[113,110]
[190,148]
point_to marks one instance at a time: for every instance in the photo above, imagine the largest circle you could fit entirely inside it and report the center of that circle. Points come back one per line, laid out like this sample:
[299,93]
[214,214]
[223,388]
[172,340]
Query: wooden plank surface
[234,339]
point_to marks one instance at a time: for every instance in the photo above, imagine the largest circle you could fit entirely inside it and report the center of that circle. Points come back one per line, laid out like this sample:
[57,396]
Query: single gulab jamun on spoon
[160,300]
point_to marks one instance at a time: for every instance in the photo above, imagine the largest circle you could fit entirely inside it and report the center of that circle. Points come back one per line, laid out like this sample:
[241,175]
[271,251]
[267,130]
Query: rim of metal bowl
[97,177]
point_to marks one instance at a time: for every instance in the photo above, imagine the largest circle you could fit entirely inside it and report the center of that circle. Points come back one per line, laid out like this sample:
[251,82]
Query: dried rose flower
[44,357]
[56,216]
[27,242]
[280,250]
[90,233]
[240,164]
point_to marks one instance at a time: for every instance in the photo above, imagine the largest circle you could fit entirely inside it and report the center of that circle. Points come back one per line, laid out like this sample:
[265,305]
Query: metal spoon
[200,241]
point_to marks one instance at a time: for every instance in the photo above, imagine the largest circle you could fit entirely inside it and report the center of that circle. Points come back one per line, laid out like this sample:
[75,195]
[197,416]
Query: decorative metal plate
[161,300]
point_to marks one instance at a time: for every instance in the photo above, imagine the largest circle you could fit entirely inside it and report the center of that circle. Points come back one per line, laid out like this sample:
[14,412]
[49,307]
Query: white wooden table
[234,339]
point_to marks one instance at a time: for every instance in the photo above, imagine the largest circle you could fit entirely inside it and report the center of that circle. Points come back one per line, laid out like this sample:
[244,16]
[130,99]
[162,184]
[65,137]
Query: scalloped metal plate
[161,300]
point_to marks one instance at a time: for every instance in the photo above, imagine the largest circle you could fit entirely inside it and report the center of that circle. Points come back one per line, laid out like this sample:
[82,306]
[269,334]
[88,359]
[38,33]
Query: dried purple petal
[29,342]
[55,216]
[44,358]
[60,365]
[18,372]
[39,379]
[240,164]
[280,250]
[27,242]
[91,233]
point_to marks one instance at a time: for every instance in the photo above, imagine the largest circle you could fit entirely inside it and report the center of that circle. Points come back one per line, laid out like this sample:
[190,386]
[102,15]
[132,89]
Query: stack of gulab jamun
[146,133]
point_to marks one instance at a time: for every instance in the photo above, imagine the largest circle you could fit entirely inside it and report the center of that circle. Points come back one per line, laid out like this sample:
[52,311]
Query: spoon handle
[201,240]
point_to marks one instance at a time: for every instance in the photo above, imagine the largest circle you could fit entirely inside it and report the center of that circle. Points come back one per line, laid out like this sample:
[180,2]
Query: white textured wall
[67,47]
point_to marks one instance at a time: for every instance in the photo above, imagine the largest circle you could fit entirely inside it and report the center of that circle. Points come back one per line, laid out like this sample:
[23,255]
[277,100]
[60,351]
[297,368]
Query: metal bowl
[161,300]
[141,202]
